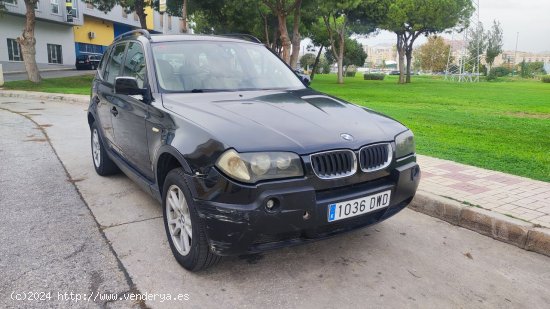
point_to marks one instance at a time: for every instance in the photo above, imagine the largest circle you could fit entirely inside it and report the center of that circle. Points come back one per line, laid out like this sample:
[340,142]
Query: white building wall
[45,33]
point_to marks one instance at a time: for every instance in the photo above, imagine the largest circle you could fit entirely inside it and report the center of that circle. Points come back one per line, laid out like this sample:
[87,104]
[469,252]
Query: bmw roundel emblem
[347,137]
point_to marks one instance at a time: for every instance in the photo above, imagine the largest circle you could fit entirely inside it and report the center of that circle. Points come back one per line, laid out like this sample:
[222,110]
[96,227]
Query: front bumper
[300,215]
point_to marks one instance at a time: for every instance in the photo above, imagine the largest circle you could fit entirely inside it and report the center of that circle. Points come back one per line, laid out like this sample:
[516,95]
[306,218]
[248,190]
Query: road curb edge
[500,227]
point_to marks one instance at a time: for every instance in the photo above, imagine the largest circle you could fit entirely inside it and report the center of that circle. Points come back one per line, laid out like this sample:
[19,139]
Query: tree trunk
[27,42]
[341,58]
[184,28]
[266,30]
[408,54]
[285,40]
[296,39]
[274,43]
[140,11]
[401,56]
[316,63]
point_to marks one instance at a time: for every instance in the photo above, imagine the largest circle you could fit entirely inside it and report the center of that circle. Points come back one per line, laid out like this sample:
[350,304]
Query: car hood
[301,121]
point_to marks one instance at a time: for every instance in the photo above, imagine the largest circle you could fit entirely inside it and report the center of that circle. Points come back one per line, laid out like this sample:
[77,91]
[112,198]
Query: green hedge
[350,74]
[546,79]
[368,76]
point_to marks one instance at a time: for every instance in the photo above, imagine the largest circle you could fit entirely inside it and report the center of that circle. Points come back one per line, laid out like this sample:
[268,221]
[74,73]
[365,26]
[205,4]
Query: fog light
[271,205]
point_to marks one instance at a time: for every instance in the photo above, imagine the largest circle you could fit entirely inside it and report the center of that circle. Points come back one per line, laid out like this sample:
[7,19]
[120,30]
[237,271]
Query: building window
[169,22]
[74,11]
[54,6]
[85,48]
[161,21]
[36,8]
[11,2]
[14,50]
[54,54]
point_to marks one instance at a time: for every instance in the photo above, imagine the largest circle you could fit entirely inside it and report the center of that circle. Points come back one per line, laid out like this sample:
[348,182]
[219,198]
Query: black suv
[243,156]
[87,62]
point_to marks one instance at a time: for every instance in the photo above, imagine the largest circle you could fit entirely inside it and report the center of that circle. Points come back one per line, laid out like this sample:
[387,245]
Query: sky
[531,18]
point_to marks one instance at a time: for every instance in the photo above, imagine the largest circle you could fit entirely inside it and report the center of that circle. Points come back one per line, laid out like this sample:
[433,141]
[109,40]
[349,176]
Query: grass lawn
[502,126]
[73,85]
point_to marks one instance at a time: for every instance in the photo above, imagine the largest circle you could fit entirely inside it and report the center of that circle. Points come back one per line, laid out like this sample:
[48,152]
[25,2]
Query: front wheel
[183,226]
[103,165]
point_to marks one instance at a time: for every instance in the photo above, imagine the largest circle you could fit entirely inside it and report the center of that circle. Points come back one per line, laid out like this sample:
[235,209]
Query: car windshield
[197,66]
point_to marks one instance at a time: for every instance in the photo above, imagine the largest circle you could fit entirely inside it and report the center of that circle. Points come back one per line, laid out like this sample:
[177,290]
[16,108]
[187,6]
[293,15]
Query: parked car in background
[87,62]
[243,156]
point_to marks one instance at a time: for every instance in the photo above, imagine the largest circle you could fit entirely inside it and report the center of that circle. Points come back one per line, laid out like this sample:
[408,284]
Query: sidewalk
[11,67]
[518,197]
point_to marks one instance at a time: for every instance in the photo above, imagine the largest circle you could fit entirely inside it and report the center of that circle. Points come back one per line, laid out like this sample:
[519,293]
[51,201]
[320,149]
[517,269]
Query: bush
[351,70]
[546,79]
[369,76]
[501,71]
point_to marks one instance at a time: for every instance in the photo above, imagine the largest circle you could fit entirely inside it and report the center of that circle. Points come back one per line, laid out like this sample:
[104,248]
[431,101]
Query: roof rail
[243,36]
[136,32]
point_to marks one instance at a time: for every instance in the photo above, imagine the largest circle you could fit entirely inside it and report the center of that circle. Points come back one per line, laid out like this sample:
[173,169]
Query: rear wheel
[103,165]
[183,226]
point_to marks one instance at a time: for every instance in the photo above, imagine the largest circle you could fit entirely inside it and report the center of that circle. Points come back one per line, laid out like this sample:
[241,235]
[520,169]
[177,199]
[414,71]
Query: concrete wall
[45,33]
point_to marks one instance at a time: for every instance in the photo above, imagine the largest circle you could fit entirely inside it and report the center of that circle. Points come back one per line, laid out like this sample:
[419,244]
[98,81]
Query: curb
[513,231]
[72,98]
[44,70]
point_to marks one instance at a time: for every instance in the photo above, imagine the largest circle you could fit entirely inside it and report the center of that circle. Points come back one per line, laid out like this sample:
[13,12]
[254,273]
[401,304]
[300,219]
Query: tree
[334,15]
[355,54]
[433,55]
[307,61]
[494,45]
[318,34]
[137,6]
[409,19]
[27,42]
[477,44]
[281,9]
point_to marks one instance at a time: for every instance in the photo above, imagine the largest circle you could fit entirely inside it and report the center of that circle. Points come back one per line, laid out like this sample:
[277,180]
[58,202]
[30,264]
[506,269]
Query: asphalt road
[411,260]
[50,240]
[48,74]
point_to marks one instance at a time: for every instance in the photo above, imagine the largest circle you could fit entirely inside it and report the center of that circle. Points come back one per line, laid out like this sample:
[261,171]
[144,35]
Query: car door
[104,92]
[129,122]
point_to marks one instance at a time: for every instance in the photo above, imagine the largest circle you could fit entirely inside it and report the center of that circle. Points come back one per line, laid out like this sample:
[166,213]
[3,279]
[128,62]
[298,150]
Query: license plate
[356,207]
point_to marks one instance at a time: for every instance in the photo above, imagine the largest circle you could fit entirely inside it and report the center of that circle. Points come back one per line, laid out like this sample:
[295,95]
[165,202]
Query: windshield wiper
[198,90]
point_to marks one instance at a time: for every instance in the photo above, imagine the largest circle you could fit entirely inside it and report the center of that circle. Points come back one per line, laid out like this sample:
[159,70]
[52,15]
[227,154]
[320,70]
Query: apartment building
[53,31]
[63,34]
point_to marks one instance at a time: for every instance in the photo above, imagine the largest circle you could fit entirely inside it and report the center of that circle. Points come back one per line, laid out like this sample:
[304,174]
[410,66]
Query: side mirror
[128,86]
[306,80]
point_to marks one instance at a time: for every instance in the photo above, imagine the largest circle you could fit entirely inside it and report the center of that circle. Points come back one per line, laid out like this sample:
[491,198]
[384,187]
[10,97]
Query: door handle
[114,111]
[95,100]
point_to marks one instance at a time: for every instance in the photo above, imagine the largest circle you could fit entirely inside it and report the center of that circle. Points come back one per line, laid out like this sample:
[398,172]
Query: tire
[193,254]
[103,164]
[93,67]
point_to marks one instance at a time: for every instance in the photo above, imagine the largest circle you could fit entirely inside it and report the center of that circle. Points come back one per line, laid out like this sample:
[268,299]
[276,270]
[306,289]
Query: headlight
[255,166]
[404,144]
